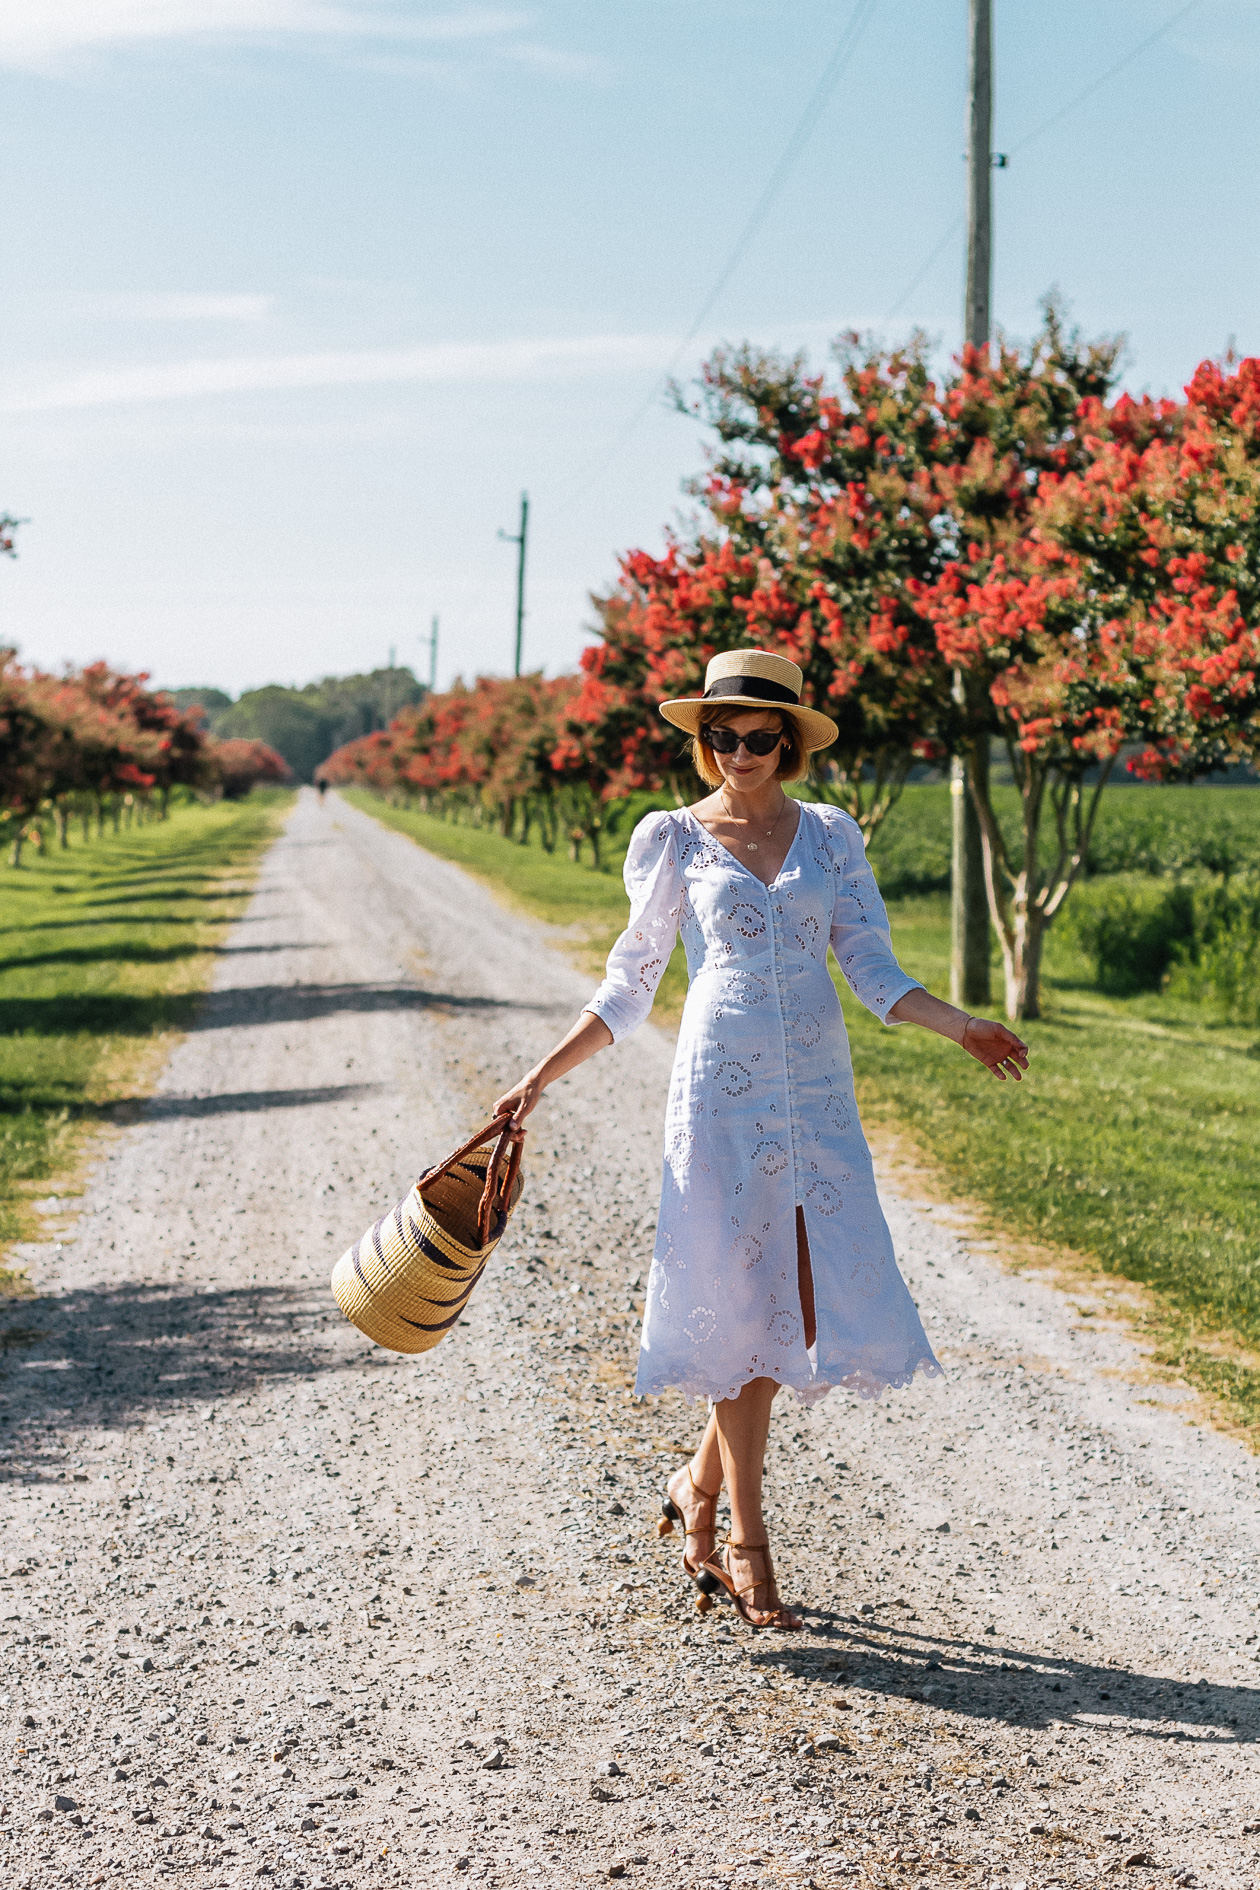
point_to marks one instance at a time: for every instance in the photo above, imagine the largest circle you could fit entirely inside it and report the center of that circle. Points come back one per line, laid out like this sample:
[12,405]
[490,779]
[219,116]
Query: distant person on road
[773,1263]
[322,785]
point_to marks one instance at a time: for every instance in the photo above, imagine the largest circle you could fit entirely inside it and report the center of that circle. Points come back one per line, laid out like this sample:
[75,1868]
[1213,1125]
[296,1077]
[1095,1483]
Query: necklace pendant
[752,846]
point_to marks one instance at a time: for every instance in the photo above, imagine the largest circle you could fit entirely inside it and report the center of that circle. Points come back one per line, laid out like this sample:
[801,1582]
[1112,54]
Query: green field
[103,949]
[1136,1140]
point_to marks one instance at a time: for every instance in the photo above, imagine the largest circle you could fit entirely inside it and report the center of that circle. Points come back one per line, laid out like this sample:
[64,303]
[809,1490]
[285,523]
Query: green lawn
[1136,1139]
[103,949]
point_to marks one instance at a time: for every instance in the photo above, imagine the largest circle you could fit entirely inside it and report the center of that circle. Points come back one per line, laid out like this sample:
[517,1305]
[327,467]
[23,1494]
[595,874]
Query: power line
[913,284]
[1046,124]
[834,70]
[1103,77]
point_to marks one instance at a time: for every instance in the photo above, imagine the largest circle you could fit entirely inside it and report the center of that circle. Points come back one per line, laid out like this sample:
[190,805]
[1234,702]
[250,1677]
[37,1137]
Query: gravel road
[277,1606]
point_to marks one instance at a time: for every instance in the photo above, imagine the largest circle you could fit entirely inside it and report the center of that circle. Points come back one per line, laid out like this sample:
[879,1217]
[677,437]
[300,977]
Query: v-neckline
[736,861]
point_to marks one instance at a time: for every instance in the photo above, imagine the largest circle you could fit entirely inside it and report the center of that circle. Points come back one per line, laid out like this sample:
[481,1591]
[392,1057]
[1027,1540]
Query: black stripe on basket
[416,1242]
[376,1243]
[438,1257]
[462,1294]
[358,1269]
[443,1325]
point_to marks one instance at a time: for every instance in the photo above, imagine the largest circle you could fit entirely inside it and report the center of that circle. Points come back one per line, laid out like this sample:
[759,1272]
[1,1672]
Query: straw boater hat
[753,679]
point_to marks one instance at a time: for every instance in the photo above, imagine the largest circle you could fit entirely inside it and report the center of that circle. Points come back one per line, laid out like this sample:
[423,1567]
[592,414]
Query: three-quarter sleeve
[859,922]
[638,959]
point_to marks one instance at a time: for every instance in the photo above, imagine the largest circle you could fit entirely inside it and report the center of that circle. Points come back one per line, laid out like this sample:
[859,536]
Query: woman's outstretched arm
[588,1035]
[1002,1053]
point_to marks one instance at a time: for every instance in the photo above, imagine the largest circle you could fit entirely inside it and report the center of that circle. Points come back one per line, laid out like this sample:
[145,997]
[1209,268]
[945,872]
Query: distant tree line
[1010,555]
[306,725]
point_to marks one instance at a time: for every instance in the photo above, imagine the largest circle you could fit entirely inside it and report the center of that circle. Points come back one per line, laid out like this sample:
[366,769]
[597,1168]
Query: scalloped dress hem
[868,1385]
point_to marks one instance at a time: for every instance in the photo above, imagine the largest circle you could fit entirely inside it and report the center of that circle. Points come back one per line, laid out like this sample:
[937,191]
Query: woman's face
[744,771]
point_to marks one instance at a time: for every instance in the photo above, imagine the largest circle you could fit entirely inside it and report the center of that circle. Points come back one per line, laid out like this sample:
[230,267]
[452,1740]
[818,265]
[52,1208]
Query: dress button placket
[776,946]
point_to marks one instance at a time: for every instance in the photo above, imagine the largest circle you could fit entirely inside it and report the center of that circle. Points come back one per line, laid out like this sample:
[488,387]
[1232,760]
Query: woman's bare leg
[688,1487]
[733,1451]
[706,1465]
[743,1426]
[805,1278]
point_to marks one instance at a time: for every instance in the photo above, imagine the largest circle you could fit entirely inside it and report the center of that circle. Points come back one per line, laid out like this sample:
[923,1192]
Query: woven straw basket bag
[406,1283]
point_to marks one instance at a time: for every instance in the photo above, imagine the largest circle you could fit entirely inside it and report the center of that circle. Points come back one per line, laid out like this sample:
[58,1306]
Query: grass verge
[1132,1150]
[103,951]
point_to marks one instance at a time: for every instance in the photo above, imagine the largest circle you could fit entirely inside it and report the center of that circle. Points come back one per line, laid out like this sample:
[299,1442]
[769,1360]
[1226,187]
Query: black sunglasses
[724,741]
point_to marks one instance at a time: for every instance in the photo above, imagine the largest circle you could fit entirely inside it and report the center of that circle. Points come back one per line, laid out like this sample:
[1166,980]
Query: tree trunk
[1023,971]
[63,825]
[15,851]
[969,901]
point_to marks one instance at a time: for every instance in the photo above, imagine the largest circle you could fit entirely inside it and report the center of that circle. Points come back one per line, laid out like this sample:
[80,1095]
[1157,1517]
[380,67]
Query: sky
[299,296]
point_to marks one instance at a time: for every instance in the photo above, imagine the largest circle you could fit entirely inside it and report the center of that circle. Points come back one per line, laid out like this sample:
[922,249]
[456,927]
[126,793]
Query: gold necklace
[750,846]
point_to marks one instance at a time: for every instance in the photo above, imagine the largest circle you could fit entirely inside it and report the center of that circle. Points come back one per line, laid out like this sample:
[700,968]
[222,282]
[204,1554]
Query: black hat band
[751,686]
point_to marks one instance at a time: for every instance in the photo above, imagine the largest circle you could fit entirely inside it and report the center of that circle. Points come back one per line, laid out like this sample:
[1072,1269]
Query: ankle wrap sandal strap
[707,1496]
[779,1616]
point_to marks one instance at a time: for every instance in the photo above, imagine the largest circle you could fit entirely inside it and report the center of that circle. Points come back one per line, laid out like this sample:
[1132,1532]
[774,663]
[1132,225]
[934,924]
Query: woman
[773,1262]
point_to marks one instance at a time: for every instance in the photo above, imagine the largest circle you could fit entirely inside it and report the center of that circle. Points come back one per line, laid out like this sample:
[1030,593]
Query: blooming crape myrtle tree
[513,731]
[89,739]
[826,511]
[485,750]
[805,528]
[1122,610]
[823,506]
[240,764]
[25,742]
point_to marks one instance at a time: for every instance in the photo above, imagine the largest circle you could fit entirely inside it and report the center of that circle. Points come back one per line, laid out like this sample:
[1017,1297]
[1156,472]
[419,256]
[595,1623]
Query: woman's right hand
[588,1035]
[520,1099]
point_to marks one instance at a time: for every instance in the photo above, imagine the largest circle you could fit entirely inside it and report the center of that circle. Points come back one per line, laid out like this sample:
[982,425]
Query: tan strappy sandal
[715,1575]
[672,1514]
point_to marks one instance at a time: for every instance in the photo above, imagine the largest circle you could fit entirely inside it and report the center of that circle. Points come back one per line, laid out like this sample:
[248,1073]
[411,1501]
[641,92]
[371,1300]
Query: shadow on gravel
[110,1357]
[1021,1686]
[121,1015]
[245,1102]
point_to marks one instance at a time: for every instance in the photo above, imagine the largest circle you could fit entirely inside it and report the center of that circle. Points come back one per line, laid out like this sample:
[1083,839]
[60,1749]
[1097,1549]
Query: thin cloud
[552,61]
[445,363]
[40,31]
[174,308]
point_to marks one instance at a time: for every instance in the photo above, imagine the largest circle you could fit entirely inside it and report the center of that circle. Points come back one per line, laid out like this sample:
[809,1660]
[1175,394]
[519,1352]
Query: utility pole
[433,648]
[969,904]
[518,539]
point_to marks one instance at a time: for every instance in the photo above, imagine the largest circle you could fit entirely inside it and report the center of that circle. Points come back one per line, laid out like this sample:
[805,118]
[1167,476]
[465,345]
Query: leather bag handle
[499,1181]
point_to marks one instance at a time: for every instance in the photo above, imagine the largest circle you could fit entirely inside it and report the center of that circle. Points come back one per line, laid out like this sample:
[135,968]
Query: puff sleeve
[859,923]
[638,959]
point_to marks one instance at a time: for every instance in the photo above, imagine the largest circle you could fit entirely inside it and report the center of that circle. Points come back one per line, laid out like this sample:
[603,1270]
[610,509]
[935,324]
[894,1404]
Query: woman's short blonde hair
[793,756]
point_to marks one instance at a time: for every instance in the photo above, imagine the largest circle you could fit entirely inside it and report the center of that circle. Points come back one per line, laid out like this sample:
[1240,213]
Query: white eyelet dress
[761,1115]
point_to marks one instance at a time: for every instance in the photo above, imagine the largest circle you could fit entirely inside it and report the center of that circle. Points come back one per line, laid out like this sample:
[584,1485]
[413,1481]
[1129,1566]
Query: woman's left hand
[999,1049]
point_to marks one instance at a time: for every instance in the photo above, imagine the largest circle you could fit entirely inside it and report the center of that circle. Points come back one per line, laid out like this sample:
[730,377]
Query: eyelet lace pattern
[761,1116]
